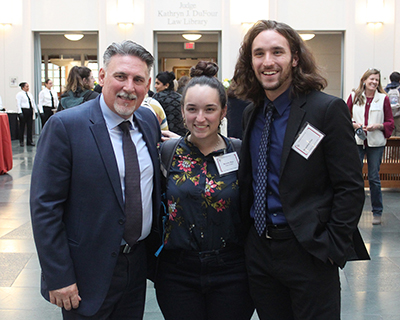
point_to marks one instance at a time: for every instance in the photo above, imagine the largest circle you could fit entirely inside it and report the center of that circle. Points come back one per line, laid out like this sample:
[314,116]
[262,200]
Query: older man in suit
[300,178]
[95,170]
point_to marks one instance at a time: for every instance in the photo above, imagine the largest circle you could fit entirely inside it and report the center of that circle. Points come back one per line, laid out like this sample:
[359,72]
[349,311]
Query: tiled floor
[370,289]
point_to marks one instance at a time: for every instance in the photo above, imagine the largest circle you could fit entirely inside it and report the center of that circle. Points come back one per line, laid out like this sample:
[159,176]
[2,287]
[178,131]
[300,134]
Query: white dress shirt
[45,99]
[23,102]
[145,163]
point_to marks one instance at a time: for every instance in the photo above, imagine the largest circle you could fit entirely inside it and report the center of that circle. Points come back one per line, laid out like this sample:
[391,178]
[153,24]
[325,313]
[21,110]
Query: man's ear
[295,60]
[102,75]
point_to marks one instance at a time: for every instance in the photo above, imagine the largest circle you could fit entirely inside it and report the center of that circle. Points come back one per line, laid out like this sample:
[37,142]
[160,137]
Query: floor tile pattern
[370,289]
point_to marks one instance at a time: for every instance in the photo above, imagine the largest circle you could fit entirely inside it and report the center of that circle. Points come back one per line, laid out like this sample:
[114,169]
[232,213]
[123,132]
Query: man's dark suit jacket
[76,200]
[322,197]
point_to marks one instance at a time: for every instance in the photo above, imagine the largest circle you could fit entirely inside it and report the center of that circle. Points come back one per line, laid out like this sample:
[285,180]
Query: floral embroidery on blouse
[202,205]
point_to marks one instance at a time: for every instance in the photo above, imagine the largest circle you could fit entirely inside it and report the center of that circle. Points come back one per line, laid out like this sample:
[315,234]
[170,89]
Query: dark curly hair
[203,74]
[305,76]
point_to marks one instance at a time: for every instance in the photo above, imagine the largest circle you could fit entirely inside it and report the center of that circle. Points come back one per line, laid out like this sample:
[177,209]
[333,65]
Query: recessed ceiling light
[73,36]
[192,36]
[307,36]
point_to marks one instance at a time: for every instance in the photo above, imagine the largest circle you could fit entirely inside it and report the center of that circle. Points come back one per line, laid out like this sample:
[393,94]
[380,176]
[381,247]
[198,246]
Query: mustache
[127,96]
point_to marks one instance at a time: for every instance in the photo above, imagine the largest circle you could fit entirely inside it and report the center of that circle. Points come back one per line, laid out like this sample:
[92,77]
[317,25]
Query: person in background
[98,88]
[182,82]
[27,110]
[393,91]
[1,105]
[79,88]
[170,101]
[95,194]
[201,273]
[236,107]
[373,123]
[301,187]
[158,110]
[48,101]
[394,82]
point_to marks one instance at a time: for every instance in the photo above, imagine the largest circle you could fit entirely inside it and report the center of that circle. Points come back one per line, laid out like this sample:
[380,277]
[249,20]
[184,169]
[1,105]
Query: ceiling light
[307,36]
[192,36]
[125,25]
[125,12]
[375,25]
[73,36]
[61,62]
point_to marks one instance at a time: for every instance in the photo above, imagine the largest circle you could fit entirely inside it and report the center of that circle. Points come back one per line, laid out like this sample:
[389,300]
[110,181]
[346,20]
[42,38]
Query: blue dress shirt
[279,122]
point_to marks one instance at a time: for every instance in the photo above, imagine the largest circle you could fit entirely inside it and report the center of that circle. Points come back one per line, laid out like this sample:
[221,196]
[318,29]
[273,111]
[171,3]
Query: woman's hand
[357,125]
[376,126]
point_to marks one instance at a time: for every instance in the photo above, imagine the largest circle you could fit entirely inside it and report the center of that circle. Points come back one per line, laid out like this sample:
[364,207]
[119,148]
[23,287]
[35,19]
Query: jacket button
[114,254]
[121,221]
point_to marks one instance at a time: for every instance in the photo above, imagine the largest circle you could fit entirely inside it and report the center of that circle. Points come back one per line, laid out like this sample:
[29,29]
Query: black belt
[172,255]
[126,248]
[278,232]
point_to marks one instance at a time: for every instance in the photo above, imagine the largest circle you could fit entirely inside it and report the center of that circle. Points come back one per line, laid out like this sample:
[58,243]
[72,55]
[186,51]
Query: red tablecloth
[6,162]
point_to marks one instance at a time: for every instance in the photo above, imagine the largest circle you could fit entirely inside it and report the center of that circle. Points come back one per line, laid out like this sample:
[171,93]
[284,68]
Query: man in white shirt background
[27,109]
[48,100]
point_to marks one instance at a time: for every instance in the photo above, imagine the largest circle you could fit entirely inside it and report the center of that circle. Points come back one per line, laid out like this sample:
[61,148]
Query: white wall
[363,48]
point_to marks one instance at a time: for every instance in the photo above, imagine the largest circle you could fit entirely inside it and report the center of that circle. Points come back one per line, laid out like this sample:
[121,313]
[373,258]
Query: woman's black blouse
[203,206]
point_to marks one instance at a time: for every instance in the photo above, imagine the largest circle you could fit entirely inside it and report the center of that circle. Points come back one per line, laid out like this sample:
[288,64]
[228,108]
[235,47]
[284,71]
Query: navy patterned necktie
[133,196]
[260,197]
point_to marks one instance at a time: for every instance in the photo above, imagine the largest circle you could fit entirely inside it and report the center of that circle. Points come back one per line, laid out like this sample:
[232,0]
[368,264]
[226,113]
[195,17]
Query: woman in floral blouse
[201,273]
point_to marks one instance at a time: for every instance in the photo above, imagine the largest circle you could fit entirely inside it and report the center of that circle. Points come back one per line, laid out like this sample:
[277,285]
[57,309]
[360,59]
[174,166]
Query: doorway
[59,55]
[176,54]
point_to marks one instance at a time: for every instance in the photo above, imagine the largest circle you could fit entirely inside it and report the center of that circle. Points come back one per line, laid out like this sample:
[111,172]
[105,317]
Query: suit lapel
[102,138]
[293,126]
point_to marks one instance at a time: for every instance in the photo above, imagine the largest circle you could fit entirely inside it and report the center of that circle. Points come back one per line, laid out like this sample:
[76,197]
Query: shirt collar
[111,118]
[280,103]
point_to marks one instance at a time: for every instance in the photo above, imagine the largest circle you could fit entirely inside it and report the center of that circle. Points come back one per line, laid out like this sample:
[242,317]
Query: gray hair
[128,48]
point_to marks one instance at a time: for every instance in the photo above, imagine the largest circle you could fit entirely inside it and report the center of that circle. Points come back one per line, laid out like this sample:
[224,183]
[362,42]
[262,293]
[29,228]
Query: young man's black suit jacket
[322,197]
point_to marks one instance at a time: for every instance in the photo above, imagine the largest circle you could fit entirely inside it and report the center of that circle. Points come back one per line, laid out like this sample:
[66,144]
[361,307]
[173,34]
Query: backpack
[69,100]
[394,97]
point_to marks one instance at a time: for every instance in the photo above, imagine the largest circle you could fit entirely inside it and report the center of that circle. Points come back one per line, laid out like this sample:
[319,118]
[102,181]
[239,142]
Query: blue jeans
[203,286]
[374,159]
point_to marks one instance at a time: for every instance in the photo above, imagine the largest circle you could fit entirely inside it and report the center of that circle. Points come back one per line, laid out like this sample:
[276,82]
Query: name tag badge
[375,107]
[227,163]
[308,139]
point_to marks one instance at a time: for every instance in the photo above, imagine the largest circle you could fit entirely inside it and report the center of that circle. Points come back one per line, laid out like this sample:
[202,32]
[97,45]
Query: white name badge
[308,139]
[227,163]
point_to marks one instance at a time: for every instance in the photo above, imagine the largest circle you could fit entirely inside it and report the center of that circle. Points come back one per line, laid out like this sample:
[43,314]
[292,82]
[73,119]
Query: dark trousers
[27,120]
[206,286]
[47,113]
[286,282]
[126,296]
